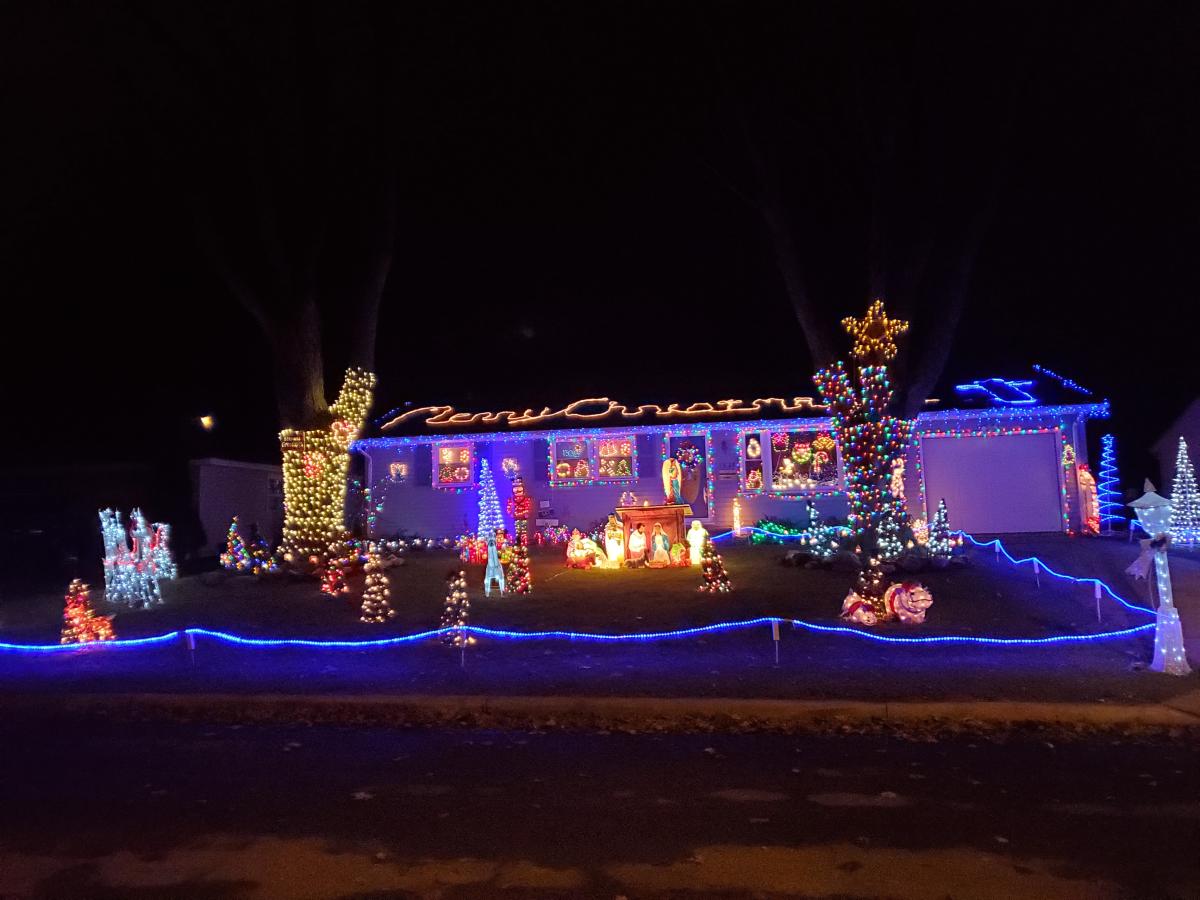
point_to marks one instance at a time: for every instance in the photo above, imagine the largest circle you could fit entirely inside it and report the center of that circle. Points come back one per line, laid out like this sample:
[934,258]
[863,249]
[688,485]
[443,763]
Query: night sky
[568,179]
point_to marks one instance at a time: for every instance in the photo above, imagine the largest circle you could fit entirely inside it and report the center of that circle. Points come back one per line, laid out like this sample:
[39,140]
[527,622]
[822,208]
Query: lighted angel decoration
[672,478]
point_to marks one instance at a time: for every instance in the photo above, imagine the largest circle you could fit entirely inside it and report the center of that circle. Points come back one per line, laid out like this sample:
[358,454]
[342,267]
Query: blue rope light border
[636,637]
[639,637]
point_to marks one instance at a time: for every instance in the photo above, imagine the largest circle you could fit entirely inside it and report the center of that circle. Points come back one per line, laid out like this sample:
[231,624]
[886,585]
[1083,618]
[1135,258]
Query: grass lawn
[989,598]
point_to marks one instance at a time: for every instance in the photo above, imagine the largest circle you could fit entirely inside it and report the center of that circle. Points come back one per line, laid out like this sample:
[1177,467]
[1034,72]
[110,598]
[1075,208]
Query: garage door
[994,485]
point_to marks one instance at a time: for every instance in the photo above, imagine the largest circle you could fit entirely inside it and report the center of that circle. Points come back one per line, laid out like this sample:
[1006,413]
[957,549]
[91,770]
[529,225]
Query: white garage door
[994,485]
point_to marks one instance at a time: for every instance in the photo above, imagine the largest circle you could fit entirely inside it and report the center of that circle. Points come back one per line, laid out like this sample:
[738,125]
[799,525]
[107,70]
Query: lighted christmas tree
[871,586]
[490,518]
[888,535]
[1108,484]
[941,540]
[1185,502]
[81,625]
[262,559]
[163,561]
[235,558]
[716,580]
[375,606]
[518,578]
[456,616]
[870,439]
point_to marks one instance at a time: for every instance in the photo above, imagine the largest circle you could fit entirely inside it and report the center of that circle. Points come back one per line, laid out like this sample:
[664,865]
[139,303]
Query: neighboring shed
[224,488]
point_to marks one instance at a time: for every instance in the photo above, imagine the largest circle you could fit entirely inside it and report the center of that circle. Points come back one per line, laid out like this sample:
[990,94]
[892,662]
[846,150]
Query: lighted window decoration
[398,472]
[752,461]
[615,457]
[803,460]
[572,460]
[455,465]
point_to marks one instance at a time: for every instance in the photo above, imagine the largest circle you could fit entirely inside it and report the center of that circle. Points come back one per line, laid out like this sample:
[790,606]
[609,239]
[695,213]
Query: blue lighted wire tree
[1108,484]
[490,517]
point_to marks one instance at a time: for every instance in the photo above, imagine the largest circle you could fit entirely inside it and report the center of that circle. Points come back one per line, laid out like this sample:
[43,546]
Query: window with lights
[803,461]
[455,465]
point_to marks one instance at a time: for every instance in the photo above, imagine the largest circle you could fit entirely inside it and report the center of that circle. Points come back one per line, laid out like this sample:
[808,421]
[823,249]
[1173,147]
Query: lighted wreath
[689,455]
[563,470]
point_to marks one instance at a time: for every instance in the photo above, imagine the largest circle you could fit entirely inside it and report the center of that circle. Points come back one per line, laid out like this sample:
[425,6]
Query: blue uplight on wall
[1001,390]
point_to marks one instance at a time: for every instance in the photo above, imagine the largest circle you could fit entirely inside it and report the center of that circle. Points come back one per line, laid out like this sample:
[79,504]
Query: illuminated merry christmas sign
[599,408]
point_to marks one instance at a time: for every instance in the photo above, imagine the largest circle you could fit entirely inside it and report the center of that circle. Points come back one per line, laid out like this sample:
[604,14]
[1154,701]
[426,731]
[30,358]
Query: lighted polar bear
[857,610]
[908,602]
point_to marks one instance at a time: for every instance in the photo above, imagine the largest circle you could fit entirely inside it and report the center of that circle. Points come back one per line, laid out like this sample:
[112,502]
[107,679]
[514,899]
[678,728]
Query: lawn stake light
[1154,515]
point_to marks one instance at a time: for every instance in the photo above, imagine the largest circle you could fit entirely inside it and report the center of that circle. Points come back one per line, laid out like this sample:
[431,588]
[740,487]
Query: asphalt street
[151,810]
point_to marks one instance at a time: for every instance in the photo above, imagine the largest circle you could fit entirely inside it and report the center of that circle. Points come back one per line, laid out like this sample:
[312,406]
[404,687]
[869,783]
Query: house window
[455,465]
[752,461]
[571,461]
[616,457]
[803,461]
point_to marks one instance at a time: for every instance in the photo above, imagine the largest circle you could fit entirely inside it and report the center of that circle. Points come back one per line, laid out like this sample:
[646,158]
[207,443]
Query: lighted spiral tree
[315,464]
[870,438]
[1108,484]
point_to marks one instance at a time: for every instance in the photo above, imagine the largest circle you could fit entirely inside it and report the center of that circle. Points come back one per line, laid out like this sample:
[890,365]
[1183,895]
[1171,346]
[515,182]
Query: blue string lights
[1108,484]
[1066,382]
[1001,390]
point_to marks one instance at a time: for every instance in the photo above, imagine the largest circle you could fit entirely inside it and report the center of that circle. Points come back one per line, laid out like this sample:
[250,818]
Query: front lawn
[989,598]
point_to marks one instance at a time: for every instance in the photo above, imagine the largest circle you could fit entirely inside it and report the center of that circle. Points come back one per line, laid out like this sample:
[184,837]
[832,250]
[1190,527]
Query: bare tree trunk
[299,367]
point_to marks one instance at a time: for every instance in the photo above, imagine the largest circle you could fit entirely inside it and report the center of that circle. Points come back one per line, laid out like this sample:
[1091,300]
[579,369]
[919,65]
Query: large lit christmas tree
[870,439]
[490,518]
[1185,501]
[81,625]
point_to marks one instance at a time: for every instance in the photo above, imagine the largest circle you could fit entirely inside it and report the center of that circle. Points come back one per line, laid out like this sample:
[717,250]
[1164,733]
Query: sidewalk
[626,714]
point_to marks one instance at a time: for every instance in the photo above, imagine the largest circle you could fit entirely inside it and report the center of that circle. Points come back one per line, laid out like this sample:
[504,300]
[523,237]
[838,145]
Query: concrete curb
[613,713]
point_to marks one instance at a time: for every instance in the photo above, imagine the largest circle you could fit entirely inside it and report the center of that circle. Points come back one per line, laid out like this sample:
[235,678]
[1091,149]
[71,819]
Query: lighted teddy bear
[857,610]
[908,602]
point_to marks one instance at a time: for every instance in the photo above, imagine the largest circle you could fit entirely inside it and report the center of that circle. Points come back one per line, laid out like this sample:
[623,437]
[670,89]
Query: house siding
[419,508]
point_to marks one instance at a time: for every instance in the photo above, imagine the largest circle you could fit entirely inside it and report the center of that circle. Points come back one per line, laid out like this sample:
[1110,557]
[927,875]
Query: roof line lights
[1001,390]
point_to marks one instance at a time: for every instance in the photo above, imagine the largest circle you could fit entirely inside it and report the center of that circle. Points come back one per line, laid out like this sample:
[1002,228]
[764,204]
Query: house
[1005,457]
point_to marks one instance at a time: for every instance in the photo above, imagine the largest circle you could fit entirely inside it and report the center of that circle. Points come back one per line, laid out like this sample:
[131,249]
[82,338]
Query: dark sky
[568,178]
